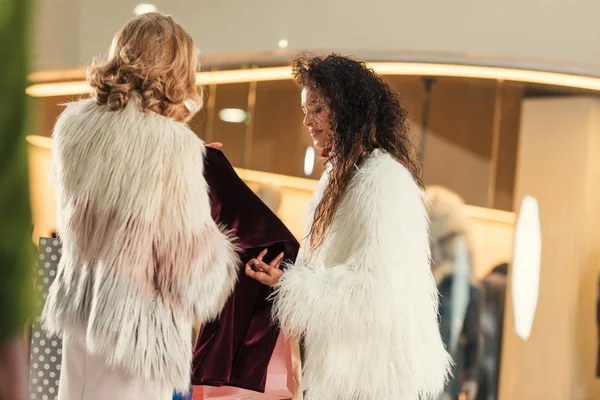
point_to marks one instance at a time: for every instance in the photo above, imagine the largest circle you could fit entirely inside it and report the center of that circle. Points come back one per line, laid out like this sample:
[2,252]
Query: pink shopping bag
[279,386]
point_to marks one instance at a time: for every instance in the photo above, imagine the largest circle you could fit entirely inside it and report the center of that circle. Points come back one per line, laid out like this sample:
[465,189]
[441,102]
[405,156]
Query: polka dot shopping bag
[46,350]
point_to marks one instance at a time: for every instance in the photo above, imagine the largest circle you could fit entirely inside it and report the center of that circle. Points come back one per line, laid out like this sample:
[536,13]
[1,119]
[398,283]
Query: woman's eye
[318,110]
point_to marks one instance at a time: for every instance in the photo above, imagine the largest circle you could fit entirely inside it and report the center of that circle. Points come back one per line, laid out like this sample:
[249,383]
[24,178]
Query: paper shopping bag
[280,380]
[46,350]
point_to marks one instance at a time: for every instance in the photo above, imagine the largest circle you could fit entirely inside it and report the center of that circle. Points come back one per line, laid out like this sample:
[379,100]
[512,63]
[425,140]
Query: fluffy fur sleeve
[369,291]
[197,259]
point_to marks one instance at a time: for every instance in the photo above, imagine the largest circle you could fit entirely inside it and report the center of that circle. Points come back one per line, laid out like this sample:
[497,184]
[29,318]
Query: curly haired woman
[361,295]
[142,258]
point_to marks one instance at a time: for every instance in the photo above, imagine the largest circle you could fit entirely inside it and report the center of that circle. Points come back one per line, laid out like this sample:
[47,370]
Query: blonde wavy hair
[153,59]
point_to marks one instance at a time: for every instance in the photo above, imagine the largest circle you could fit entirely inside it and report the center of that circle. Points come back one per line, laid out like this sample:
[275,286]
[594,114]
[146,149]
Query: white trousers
[89,377]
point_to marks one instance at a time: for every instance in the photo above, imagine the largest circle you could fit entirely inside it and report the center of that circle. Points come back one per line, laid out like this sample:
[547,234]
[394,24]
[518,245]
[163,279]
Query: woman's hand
[267,274]
[215,145]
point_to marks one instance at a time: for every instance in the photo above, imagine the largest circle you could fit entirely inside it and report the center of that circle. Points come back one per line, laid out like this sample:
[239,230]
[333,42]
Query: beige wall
[41,189]
[492,235]
[458,169]
[558,164]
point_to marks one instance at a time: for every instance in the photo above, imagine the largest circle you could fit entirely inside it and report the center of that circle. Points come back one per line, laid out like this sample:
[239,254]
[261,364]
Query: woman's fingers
[249,270]
[263,267]
[264,273]
[262,278]
[259,276]
[255,266]
[272,269]
[276,261]
[262,254]
[257,269]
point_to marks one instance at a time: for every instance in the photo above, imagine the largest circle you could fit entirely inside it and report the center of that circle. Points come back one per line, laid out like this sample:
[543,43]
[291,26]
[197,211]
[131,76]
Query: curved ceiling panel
[557,35]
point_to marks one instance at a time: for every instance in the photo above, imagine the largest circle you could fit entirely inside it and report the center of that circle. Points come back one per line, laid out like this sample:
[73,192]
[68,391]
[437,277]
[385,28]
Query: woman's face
[316,117]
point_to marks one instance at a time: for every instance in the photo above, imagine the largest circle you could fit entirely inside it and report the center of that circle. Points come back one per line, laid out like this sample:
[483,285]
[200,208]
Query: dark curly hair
[365,115]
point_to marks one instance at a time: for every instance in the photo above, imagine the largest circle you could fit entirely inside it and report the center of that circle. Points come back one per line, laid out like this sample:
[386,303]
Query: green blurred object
[17,263]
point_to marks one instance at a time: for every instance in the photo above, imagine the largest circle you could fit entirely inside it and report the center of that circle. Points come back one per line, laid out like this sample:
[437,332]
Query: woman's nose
[307,121]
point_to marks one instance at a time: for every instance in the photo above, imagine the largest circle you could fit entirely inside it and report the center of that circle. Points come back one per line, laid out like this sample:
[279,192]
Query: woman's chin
[318,145]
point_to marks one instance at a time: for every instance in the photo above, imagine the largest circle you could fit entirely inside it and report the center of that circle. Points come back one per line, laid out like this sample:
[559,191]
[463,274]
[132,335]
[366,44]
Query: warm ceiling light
[526,266]
[233,115]
[309,161]
[57,75]
[283,43]
[244,75]
[58,89]
[483,72]
[383,68]
[144,8]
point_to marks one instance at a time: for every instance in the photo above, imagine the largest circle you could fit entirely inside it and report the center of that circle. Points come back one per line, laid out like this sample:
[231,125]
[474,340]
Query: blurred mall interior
[502,97]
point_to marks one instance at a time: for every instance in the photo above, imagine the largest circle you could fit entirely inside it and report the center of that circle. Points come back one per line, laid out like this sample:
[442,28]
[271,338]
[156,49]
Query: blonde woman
[142,258]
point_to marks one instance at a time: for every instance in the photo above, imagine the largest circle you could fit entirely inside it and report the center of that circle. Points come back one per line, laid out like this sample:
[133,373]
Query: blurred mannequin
[16,249]
[460,298]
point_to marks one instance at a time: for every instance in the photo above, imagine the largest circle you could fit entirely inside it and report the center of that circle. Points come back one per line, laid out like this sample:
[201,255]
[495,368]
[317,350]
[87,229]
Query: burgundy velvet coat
[235,350]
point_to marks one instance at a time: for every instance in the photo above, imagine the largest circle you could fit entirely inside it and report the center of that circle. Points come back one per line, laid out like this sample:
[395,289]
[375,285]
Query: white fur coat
[365,301]
[142,258]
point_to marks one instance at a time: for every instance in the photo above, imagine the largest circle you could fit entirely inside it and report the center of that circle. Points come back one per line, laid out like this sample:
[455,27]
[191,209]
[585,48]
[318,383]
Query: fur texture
[141,258]
[459,292]
[365,301]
